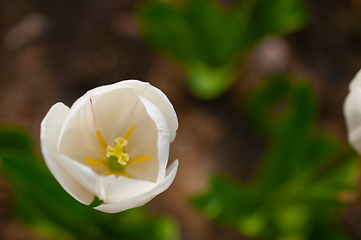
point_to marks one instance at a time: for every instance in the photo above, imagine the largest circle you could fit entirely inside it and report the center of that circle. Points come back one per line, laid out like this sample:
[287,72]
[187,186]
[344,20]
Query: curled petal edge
[352,113]
[158,98]
[143,198]
[49,135]
[163,140]
[356,81]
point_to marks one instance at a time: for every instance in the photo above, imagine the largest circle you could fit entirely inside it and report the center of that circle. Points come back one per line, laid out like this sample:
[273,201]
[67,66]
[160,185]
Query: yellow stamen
[117,157]
[93,162]
[102,142]
[130,131]
[141,159]
[118,151]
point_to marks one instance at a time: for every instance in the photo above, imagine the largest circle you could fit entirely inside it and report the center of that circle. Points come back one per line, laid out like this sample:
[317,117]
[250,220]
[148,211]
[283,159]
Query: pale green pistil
[114,164]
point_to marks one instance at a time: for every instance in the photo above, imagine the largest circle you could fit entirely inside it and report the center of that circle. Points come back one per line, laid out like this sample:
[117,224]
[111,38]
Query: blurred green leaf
[43,206]
[293,195]
[16,138]
[208,39]
[263,105]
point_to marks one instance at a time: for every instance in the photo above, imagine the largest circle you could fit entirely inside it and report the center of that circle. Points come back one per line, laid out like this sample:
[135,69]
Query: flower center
[117,158]
[118,151]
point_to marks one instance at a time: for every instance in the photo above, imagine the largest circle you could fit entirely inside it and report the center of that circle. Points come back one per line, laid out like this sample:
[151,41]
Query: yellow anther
[118,151]
[93,162]
[142,159]
[102,142]
[117,158]
[129,133]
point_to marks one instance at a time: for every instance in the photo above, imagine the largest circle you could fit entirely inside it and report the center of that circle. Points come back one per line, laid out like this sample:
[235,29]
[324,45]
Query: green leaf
[293,194]
[263,105]
[206,82]
[17,138]
[208,40]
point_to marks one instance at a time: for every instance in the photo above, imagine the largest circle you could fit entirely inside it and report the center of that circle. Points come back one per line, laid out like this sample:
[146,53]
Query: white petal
[356,81]
[143,198]
[79,125]
[114,189]
[78,135]
[109,189]
[50,130]
[159,99]
[82,173]
[352,112]
[163,141]
[116,112]
[109,109]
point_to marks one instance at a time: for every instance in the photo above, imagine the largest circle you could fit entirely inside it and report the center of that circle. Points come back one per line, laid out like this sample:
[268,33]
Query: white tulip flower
[112,143]
[352,112]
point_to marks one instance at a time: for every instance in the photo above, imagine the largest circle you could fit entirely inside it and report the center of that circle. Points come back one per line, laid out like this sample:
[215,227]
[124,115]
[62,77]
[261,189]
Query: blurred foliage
[293,195]
[208,39]
[42,205]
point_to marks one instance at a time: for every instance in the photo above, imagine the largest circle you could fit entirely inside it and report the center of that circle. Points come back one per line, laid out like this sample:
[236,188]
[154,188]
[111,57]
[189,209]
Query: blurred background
[213,59]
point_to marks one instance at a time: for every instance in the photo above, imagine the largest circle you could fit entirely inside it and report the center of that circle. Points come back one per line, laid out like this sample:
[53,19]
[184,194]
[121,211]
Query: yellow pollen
[130,131]
[102,142]
[141,159]
[117,158]
[118,151]
[93,162]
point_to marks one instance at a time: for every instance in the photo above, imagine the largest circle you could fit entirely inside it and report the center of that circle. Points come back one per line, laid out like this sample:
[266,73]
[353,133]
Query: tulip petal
[114,189]
[107,109]
[91,112]
[356,81]
[50,130]
[352,112]
[116,113]
[83,174]
[107,188]
[163,138]
[141,199]
[151,93]
[78,137]
[158,98]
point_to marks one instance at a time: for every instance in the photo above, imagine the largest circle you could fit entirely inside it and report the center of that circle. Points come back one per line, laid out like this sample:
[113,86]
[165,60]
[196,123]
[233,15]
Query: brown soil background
[56,50]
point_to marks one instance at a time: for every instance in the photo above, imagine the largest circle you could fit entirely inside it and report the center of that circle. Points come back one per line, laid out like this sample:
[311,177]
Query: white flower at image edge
[112,143]
[352,112]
